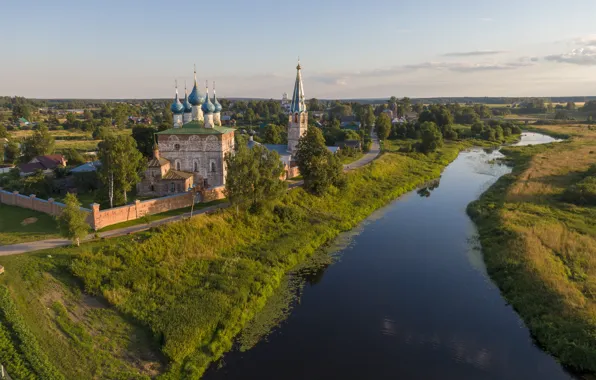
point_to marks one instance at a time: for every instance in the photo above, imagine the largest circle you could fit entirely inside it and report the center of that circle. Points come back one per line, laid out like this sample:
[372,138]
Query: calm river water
[409,299]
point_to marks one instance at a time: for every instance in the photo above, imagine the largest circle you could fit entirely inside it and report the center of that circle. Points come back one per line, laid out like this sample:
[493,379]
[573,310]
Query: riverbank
[193,285]
[540,249]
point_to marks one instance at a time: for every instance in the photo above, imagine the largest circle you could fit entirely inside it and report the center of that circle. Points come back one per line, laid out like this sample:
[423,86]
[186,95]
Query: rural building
[47,164]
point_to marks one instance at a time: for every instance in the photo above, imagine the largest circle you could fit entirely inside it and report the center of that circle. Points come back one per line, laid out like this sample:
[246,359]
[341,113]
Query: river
[408,299]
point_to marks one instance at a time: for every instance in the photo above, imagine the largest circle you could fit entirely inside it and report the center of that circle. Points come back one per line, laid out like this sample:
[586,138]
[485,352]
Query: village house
[46,163]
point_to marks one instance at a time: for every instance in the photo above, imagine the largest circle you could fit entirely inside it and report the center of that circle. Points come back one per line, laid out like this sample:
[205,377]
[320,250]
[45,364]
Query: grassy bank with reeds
[540,246]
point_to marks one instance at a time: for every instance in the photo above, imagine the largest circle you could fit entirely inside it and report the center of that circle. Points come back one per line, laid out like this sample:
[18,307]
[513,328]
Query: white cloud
[466,67]
[585,56]
[474,53]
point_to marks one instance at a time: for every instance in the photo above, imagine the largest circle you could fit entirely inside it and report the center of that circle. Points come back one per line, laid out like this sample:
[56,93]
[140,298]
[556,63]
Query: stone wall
[99,219]
[31,202]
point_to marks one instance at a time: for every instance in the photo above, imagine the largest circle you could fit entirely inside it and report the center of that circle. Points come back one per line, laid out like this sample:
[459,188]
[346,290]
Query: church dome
[177,107]
[207,106]
[187,105]
[195,97]
[216,105]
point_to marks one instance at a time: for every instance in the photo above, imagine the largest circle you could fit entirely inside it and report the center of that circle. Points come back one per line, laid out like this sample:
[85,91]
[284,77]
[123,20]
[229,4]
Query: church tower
[177,109]
[196,101]
[298,120]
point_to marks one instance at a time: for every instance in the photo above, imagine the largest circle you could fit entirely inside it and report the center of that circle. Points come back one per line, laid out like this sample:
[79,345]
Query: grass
[77,336]
[540,250]
[14,231]
[80,145]
[152,218]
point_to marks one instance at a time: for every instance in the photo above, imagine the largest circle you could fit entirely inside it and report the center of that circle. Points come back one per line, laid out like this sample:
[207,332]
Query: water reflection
[426,190]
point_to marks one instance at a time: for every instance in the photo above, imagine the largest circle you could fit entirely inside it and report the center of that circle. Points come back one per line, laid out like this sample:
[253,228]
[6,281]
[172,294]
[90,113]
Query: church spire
[298,104]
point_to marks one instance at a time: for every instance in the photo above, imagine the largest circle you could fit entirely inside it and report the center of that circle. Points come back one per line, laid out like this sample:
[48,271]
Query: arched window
[172,187]
[212,167]
[295,117]
[196,166]
[177,165]
[152,188]
[177,146]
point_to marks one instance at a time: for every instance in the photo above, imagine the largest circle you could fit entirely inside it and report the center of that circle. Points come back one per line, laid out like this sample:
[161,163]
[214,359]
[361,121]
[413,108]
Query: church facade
[191,155]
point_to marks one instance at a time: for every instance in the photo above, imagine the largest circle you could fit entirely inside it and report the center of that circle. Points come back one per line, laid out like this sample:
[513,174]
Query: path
[6,250]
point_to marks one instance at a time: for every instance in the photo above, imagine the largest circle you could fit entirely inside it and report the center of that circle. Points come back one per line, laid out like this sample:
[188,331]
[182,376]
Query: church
[191,154]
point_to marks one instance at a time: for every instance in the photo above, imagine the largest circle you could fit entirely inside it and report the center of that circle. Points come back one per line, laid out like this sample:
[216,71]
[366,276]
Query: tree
[87,115]
[71,118]
[72,220]
[121,163]
[314,105]
[318,166]
[74,157]
[273,134]
[370,116]
[12,152]
[570,106]
[144,136]
[254,177]
[432,139]
[38,144]
[250,116]
[21,110]
[383,126]
[3,132]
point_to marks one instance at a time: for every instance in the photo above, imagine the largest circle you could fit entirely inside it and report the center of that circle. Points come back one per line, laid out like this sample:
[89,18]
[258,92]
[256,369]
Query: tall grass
[540,250]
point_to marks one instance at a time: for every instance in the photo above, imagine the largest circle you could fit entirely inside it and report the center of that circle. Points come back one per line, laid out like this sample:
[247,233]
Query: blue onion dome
[177,107]
[216,104]
[207,106]
[195,97]
[186,104]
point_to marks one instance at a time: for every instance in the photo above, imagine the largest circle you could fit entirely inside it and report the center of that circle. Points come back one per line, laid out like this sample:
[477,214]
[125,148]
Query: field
[193,285]
[19,225]
[81,141]
[541,250]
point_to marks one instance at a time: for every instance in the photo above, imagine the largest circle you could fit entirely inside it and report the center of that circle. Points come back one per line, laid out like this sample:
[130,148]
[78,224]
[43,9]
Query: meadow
[184,291]
[20,225]
[540,247]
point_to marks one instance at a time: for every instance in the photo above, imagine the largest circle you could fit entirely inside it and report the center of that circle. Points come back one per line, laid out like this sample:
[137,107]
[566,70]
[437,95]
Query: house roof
[177,175]
[50,161]
[157,162]
[196,128]
[23,120]
[87,167]
[30,168]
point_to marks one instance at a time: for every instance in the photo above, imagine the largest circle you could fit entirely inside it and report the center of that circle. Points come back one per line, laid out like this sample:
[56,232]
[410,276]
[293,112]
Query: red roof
[50,161]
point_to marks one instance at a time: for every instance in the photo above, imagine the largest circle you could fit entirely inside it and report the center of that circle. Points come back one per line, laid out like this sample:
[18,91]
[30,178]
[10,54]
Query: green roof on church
[196,128]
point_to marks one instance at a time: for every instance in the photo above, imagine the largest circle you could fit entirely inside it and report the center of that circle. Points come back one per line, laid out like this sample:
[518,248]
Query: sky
[348,49]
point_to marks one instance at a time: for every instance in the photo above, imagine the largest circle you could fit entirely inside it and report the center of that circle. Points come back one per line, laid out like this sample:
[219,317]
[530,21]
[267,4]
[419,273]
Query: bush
[582,193]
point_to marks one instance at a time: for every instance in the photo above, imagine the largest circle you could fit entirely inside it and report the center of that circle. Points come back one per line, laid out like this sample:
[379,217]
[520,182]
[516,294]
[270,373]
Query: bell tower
[298,119]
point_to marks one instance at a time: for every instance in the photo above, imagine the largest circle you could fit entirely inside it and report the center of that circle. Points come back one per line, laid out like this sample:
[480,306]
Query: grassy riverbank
[540,247]
[187,289]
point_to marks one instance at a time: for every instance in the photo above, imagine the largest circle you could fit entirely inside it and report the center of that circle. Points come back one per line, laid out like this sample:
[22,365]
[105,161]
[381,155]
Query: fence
[99,219]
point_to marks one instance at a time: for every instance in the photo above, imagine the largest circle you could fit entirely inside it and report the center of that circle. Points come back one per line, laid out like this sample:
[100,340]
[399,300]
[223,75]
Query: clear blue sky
[348,49]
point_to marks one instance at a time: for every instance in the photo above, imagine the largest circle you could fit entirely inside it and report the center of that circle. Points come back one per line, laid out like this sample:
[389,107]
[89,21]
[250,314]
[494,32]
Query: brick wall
[31,202]
[99,219]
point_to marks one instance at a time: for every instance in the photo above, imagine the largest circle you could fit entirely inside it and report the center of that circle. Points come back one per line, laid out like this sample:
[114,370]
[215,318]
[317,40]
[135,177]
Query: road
[15,249]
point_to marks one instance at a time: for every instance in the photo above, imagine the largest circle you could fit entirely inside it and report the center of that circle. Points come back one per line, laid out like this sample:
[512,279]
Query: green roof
[196,128]
[23,120]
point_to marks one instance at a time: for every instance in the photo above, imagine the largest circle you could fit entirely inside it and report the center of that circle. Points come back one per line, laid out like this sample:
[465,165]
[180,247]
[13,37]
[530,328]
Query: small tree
[39,144]
[383,126]
[432,139]
[253,177]
[72,220]
[318,166]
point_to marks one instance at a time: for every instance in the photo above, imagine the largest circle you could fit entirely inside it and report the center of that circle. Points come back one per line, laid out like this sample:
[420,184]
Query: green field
[20,225]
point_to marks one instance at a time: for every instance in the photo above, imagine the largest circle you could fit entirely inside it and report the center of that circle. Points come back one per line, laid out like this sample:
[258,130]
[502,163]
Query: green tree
[12,152]
[477,127]
[71,118]
[144,136]
[87,115]
[250,116]
[273,134]
[3,132]
[318,166]
[570,106]
[72,220]
[383,126]
[253,177]
[21,110]
[73,157]
[121,165]
[432,139]
[38,144]
[370,116]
